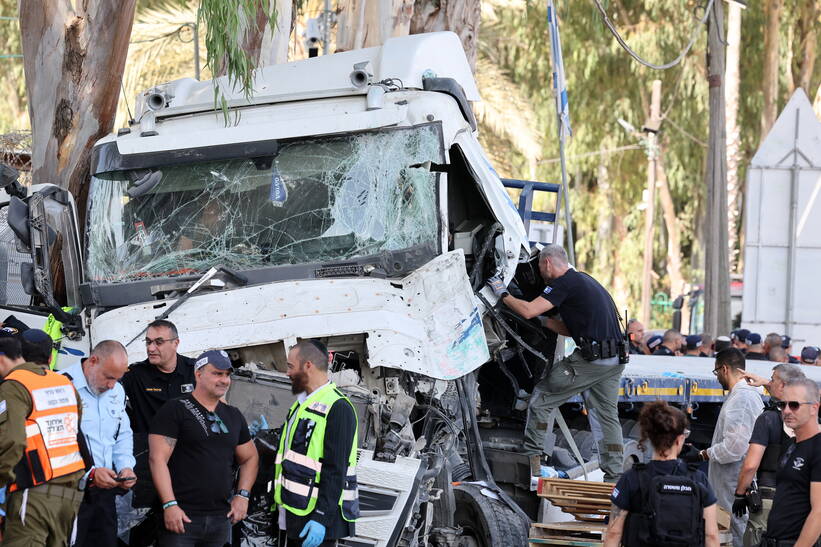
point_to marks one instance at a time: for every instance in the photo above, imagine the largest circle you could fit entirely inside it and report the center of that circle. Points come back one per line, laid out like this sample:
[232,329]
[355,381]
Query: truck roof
[408,59]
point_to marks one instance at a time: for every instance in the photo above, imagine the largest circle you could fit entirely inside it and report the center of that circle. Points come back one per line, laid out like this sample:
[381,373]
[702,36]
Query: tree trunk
[607,218]
[807,36]
[73,60]
[263,44]
[673,229]
[773,10]
[459,16]
[369,23]
[816,103]
[268,44]
[731,83]
[716,268]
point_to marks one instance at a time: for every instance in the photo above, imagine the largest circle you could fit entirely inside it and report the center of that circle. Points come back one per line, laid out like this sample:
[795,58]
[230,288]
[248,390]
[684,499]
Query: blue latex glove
[497,286]
[258,425]
[2,501]
[315,533]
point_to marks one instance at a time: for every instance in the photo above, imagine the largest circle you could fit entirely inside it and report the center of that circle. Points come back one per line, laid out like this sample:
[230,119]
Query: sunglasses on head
[794,405]
[217,425]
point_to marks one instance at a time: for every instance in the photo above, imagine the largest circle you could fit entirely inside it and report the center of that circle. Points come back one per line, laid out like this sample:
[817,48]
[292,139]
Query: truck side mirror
[19,223]
[27,278]
[9,182]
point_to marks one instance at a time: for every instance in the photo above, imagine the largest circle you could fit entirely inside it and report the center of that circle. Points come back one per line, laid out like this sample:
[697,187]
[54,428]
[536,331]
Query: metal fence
[11,287]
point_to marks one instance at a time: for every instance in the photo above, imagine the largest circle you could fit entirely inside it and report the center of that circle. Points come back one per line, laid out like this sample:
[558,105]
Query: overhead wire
[636,56]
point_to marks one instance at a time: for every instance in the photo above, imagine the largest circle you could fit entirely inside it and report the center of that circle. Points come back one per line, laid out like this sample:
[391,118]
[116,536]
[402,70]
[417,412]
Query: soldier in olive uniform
[41,463]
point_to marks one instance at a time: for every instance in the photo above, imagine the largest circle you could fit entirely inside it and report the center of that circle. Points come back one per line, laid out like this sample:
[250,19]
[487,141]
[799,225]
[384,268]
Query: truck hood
[427,323]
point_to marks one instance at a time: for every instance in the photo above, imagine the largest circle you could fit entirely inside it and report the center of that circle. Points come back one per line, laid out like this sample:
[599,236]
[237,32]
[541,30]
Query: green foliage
[227,21]
[605,84]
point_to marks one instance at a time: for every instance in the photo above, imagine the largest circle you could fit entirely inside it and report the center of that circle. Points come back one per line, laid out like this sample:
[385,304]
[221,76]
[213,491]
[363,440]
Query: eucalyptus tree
[606,85]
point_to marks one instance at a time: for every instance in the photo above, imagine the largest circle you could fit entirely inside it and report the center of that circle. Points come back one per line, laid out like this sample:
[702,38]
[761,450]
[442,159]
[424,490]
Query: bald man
[107,430]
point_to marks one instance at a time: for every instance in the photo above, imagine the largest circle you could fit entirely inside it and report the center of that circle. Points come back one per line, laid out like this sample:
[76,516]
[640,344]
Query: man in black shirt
[810,355]
[796,512]
[193,444]
[635,332]
[149,384]
[670,344]
[693,345]
[755,350]
[739,338]
[589,316]
[768,443]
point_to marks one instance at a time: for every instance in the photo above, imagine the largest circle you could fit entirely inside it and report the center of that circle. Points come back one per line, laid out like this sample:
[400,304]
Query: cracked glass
[315,200]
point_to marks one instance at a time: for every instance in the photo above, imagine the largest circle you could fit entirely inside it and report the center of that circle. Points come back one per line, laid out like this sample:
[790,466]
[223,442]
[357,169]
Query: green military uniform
[50,508]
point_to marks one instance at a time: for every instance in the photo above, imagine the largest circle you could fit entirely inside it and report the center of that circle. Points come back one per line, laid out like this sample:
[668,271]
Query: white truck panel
[783,228]
[428,324]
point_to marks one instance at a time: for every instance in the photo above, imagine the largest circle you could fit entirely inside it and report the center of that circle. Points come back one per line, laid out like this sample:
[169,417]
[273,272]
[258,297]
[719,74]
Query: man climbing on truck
[589,316]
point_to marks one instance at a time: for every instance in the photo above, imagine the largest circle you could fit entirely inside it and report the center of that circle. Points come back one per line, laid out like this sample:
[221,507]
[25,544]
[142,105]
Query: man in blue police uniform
[107,431]
[315,474]
[589,316]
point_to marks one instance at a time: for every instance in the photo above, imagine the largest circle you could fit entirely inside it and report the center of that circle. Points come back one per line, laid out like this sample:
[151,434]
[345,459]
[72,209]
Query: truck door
[40,267]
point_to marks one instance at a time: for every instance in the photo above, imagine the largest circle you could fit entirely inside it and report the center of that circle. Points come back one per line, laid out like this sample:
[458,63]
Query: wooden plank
[570,526]
[565,541]
[567,533]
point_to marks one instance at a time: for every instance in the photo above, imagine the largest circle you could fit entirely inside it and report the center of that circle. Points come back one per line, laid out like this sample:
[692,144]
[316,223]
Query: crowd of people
[72,441]
[763,462]
[773,347]
[763,466]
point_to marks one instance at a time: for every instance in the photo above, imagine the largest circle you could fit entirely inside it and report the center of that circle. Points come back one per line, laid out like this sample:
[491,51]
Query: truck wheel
[487,522]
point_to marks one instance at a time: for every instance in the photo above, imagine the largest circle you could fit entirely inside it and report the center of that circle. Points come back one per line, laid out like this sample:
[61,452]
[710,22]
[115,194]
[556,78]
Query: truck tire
[487,522]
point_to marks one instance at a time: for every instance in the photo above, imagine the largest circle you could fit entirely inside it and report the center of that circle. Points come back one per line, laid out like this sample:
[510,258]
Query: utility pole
[717,264]
[650,129]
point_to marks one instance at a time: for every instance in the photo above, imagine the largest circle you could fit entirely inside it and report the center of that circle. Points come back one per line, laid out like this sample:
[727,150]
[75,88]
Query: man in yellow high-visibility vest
[315,474]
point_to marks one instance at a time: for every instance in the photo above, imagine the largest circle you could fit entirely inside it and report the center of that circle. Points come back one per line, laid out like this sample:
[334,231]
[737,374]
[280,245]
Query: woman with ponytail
[664,502]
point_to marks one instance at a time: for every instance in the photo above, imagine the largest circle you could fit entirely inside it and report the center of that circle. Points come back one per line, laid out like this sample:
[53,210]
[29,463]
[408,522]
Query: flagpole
[563,124]
[566,198]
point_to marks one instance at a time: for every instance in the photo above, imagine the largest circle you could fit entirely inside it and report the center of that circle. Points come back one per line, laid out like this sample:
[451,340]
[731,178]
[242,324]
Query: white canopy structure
[782,252]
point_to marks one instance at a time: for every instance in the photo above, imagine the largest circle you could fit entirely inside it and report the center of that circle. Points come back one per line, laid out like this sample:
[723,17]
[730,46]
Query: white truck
[347,200]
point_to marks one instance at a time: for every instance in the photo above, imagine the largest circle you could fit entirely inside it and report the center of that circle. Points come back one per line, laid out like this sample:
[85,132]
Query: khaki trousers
[50,511]
[599,387]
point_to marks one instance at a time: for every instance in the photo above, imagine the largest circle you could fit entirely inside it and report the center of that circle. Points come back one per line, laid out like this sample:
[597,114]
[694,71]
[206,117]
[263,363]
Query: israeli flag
[559,85]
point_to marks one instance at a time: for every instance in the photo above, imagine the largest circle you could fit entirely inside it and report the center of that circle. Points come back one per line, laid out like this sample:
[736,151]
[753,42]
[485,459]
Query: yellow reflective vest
[298,464]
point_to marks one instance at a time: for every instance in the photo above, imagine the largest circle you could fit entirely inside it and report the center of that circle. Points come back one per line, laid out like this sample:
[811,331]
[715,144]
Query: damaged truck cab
[347,199]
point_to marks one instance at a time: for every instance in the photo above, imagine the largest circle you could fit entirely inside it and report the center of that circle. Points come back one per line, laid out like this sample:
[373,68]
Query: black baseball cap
[216,357]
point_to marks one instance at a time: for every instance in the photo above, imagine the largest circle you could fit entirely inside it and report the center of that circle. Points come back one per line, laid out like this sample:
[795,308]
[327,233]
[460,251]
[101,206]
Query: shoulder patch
[316,406]
[547,290]
[2,406]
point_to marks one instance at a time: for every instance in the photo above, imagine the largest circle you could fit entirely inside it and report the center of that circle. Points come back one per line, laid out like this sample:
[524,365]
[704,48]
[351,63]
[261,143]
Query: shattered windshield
[315,200]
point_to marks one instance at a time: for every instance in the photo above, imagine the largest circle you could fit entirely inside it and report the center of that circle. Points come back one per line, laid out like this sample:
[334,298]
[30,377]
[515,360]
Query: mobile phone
[125,479]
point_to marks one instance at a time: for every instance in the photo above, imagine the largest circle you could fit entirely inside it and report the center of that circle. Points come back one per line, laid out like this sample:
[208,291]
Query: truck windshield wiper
[238,278]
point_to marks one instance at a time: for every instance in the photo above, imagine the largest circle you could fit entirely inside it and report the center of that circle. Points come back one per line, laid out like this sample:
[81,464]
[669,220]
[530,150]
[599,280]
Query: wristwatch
[244,494]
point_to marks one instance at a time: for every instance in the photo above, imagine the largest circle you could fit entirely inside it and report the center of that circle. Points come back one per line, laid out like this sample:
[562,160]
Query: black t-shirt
[664,350]
[768,430]
[755,356]
[586,308]
[148,388]
[791,504]
[627,493]
[202,460]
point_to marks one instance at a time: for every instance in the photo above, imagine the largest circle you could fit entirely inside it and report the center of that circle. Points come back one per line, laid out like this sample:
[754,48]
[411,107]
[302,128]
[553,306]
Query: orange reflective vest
[52,449]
